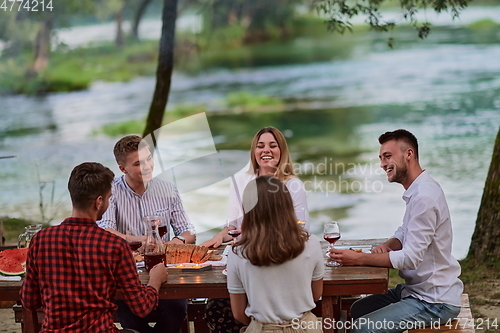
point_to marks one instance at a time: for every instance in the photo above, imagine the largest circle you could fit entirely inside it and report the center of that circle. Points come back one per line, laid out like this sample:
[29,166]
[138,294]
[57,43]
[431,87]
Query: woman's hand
[214,242]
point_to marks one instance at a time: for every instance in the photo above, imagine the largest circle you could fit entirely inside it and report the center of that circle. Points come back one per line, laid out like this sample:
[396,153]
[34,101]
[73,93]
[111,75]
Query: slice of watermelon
[15,254]
[11,268]
[12,261]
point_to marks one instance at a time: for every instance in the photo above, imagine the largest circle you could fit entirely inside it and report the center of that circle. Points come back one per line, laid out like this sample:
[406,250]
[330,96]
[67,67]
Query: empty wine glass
[331,233]
[300,212]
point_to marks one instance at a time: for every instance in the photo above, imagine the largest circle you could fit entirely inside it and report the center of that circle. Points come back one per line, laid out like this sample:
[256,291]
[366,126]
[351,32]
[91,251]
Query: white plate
[224,271]
[364,248]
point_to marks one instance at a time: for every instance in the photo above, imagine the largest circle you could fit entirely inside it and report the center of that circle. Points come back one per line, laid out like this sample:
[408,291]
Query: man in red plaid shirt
[74,269]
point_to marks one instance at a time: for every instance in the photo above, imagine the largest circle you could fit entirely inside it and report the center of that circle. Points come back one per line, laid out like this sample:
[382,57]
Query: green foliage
[122,128]
[230,35]
[243,100]
[13,227]
[137,126]
[394,278]
[485,24]
[249,101]
[340,12]
[76,69]
[307,26]
[184,110]
[260,19]
[474,271]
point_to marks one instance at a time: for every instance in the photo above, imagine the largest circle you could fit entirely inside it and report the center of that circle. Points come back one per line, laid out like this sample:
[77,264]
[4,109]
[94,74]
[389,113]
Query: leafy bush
[485,24]
[184,110]
[247,100]
[13,227]
[122,128]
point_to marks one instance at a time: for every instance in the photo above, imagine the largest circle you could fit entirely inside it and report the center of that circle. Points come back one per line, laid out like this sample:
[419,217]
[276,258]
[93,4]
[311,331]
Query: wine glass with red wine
[157,222]
[233,230]
[234,233]
[331,233]
[133,241]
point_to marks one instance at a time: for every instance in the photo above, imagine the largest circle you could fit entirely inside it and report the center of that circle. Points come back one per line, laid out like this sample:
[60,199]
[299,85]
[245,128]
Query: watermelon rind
[11,268]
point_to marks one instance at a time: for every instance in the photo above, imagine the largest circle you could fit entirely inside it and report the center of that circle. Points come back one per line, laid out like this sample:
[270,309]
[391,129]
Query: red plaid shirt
[73,271]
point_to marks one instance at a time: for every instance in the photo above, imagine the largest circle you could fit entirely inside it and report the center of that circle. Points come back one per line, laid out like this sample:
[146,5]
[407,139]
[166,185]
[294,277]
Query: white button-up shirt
[425,261]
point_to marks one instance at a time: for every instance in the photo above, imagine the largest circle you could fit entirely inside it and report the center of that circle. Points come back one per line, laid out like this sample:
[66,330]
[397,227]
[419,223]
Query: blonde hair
[269,231]
[284,170]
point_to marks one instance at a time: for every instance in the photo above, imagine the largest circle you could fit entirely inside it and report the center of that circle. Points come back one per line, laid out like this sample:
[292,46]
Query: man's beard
[400,173]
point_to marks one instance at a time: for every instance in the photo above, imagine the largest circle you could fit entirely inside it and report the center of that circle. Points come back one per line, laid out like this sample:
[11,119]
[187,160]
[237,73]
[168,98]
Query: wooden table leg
[330,311]
[30,321]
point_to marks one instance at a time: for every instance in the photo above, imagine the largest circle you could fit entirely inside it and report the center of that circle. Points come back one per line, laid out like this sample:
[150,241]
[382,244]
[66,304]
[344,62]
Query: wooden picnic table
[338,281]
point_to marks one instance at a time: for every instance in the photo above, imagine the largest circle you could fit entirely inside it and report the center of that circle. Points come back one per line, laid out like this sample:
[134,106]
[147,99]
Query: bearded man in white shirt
[420,249]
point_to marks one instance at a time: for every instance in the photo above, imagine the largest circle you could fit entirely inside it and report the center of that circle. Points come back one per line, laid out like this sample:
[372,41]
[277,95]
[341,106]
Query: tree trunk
[41,48]
[119,28]
[485,244]
[165,67]
[141,9]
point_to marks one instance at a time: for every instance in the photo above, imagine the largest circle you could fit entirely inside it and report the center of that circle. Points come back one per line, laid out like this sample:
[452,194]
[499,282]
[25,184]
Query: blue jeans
[389,313]
[169,316]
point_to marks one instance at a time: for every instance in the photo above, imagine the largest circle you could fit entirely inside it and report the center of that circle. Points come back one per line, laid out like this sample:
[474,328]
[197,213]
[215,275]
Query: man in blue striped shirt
[137,194]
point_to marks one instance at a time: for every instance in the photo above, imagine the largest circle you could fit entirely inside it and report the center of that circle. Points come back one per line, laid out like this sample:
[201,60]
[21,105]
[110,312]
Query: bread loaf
[186,253]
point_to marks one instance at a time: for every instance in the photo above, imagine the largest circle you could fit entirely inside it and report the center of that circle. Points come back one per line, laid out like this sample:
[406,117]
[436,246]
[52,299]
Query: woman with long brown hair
[275,270]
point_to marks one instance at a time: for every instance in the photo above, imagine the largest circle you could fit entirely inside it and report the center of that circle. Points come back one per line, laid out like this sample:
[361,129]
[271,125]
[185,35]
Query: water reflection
[448,95]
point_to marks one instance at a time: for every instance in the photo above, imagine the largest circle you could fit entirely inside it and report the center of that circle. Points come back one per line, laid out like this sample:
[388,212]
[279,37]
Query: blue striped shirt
[127,208]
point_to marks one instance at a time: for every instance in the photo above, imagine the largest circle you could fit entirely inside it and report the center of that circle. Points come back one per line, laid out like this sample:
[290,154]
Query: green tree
[485,243]
[114,9]
[141,8]
[53,14]
[258,17]
[138,15]
[340,12]
[165,67]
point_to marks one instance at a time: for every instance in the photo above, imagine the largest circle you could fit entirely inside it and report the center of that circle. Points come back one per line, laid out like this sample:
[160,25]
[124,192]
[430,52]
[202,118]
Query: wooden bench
[464,322]
[195,313]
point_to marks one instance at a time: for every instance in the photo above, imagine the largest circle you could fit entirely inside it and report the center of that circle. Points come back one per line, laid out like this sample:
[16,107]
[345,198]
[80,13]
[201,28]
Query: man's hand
[381,249]
[392,244]
[353,258]
[346,257]
[158,275]
[175,241]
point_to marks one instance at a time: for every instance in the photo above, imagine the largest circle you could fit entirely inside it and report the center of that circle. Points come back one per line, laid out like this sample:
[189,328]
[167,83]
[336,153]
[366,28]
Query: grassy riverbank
[11,228]
[307,41]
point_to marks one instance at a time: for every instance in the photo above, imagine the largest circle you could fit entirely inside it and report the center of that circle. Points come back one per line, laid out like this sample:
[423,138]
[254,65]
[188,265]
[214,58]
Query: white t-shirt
[425,261]
[241,180]
[277,293]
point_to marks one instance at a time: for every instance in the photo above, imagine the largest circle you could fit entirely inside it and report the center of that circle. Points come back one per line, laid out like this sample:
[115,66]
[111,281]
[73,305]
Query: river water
[445,90]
